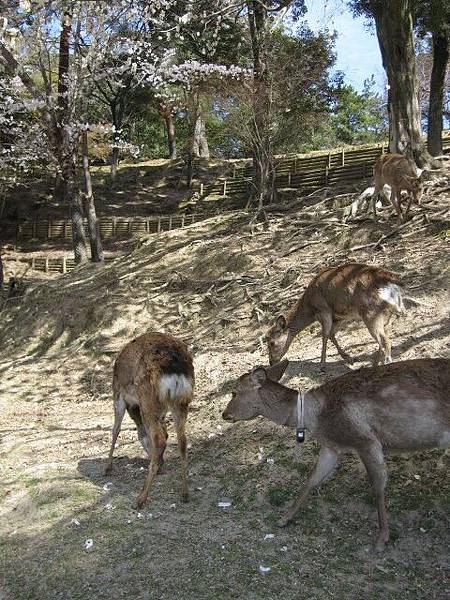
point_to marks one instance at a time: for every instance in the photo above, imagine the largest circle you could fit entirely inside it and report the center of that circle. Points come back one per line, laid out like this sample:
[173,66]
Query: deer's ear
[281,322]
[258,376]
[276,372]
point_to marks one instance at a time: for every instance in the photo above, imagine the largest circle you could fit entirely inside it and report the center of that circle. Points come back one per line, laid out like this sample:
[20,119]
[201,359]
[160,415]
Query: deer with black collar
[402,406]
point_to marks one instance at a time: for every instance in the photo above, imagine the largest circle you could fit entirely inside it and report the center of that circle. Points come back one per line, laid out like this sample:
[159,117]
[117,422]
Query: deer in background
[152,375]
[403,406]
[346,293]
[400,173]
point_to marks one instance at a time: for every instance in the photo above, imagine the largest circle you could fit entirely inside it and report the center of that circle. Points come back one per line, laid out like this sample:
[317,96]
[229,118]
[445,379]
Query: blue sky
[358,55]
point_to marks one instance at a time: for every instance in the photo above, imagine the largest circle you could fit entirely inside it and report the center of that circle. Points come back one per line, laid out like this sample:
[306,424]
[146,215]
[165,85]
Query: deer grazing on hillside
[402,406]
[400,173]
[349,292]
[152,375]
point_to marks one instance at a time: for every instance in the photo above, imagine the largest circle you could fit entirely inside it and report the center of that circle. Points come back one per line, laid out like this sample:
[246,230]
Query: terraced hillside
[217,283]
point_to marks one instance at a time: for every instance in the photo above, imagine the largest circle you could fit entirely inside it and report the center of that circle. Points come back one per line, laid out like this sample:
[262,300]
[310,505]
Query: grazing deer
[153,374]
[402,406]
[400,173]
[337,294]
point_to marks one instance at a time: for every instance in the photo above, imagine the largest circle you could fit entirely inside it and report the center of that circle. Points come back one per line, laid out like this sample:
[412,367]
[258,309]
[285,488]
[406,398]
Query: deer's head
[278,339]
[246,400]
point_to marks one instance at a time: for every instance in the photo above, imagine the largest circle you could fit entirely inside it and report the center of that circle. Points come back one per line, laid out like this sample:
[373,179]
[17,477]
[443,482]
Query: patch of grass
[278,495]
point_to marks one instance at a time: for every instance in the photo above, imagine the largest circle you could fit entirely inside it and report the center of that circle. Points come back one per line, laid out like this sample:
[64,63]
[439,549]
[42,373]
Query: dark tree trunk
[437,84]
[67,151]
[2,278]
[394,26]
[72,196]
[264,191]
[94,230]
[170,129]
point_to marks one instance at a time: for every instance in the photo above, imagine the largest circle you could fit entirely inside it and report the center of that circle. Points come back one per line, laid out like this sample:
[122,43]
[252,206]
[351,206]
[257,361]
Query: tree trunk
[264,190]
[437,84]
[200,148]
[394,26]
[67,146]
[114,163]
[93,227]
[2,278]
[72,196]
[170,129]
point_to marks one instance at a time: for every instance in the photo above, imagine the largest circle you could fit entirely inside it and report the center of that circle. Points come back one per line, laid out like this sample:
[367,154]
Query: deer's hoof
[140,501]
[323,368]
[380,545]
[283,522]
[108,469]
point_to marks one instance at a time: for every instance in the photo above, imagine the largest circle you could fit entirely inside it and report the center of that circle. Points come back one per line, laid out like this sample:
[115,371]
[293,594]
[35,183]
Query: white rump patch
[392,294]
[174,386]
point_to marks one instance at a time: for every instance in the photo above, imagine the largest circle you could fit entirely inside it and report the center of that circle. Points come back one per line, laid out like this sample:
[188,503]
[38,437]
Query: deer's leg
[119,411]
[326,320]
[135,413]
[408,206]
[156,433]
[373,460]
[341,352]
[325,465]
[180,416]
[375,195]
[375,325]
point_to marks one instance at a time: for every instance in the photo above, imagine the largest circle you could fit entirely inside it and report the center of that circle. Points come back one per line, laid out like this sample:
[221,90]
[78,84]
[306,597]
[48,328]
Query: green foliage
[357,118]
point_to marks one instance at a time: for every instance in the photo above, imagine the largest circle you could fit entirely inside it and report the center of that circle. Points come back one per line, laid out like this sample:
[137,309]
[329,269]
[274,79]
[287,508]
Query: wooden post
[326,175]
[49,229]
[64,265]
[170,222]
[32,263]
[46,264]
[224,188]
[289,179]
[343,157]
[182,220]
[147,226]
[201,188]
[159,225]
[129,227]
[114,228]
[295,165]
[329,159]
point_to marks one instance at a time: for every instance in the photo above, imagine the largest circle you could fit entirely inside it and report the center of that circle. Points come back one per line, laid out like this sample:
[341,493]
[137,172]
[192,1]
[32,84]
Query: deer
[400,173]
[153,374]
[337,294]
[402,406]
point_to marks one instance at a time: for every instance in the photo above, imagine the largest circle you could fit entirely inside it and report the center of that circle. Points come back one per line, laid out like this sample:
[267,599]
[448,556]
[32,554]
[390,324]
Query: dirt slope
[217,284]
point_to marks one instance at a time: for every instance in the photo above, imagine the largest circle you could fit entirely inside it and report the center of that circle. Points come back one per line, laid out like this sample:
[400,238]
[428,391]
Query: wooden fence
[62,264]
[109,227]
[308,172]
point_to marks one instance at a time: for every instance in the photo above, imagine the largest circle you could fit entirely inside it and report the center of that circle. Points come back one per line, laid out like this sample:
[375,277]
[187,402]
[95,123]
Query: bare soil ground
[217,284]
[152,187]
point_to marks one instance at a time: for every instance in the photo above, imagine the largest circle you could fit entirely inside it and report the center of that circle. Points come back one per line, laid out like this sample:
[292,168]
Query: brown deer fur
[400,173]
[349,292]
[152,375]
[402,406]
